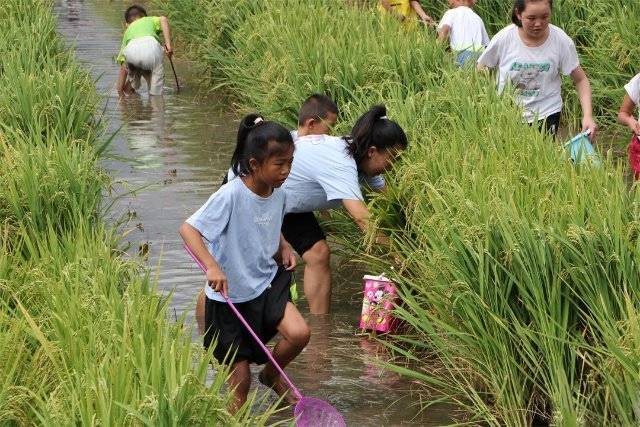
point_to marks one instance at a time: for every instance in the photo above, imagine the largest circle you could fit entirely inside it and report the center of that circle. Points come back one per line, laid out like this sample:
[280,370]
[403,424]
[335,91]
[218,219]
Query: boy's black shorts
[302,231]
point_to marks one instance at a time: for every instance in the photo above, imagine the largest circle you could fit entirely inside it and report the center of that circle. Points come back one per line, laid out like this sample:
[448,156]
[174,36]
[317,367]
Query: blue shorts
[465,56]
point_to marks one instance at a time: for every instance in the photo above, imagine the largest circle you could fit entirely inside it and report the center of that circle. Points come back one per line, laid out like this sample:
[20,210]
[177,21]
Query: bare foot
[279,386]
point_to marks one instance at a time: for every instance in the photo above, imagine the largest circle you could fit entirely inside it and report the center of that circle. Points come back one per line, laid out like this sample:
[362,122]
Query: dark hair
[374,129]
[134,12]
[316,106]
[254,135]
[519,6]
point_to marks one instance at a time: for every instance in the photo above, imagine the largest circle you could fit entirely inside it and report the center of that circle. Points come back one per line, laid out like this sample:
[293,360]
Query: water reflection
[144,119]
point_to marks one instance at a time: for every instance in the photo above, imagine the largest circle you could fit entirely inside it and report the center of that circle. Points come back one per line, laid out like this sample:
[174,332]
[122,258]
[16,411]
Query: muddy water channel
[170,153]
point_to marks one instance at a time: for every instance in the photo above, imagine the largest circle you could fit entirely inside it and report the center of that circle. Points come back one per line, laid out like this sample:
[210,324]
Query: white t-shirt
[633,89]
[323,174]
[535,72]
[467,30]
[242,232]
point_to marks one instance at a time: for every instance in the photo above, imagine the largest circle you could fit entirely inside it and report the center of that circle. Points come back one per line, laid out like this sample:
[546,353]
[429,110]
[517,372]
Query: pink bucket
[380,296]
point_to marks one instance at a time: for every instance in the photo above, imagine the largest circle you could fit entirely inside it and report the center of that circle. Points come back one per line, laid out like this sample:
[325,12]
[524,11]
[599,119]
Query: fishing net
[312,412]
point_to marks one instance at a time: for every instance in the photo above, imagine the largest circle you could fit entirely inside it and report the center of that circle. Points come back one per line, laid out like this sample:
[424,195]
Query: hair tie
[258,120]
[384,118]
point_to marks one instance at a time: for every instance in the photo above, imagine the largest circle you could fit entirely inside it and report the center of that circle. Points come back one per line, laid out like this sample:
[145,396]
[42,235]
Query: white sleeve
[485,36]
[375,182]
[491,55]
[633,89]
[446,20]
[212,218]
[340,182]
[568,56]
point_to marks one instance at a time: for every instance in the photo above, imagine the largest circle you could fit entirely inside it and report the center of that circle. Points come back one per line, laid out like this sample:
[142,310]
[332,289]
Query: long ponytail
[374,129]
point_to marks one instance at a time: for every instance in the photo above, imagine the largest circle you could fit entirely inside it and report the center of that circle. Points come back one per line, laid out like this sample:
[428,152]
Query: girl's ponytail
[374,129]
[254,135]
[239,164]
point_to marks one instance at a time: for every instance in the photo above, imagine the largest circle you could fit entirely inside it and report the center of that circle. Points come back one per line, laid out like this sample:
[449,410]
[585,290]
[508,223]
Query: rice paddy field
[85,339]
[518,270]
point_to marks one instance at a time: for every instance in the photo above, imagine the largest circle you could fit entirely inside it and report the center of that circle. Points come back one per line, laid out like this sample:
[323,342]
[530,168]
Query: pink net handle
[264,348]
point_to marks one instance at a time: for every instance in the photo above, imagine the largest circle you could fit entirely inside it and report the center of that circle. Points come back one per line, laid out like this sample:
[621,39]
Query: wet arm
[359,212]
[443,33]
[215,276]
[193,239]
[626,116]
[583,87]
[417,7]
[166,32]
[122,79]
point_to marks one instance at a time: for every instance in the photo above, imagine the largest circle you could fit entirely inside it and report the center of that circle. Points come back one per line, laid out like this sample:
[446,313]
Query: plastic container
[380,296]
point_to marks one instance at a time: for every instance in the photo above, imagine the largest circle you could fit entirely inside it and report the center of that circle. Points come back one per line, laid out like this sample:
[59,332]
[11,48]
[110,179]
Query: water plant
[85,336]
[519,271]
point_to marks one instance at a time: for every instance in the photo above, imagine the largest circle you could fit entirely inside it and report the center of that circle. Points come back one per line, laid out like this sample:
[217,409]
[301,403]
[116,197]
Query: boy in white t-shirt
[465,31]
[627,117]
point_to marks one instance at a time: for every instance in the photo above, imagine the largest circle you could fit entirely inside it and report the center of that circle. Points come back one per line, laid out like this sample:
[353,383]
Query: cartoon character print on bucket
[380,296]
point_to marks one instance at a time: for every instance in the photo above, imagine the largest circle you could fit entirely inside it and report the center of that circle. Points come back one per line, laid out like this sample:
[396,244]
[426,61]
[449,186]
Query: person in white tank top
[465,31]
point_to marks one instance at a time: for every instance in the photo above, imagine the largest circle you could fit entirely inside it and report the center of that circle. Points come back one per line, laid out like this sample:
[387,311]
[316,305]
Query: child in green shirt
[141,54]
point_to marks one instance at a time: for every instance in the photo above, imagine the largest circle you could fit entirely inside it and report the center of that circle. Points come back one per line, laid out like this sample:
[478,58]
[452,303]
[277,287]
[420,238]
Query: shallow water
[172,151]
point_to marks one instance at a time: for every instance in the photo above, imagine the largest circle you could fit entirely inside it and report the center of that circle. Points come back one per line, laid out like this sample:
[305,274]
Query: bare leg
[295,336]
[240,383]
[147,77]
[317,277]
[128,89]
[200,303]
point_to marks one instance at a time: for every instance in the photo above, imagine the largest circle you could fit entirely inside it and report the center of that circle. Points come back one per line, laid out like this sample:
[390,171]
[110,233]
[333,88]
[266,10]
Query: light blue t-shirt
[323,174]
[242,232]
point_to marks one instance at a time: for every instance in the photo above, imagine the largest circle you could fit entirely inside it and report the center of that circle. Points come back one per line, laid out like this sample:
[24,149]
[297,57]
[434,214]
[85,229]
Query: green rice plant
[518,270]
[85,336]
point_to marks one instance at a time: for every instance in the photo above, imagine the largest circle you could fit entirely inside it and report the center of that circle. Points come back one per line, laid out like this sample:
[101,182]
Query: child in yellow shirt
[405,10]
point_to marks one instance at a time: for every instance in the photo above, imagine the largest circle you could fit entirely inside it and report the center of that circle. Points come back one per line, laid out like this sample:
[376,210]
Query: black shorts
[263,314]
[302,231]
[550,124]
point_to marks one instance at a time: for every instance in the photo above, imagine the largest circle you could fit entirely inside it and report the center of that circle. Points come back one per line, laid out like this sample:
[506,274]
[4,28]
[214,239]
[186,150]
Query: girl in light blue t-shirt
[236,235]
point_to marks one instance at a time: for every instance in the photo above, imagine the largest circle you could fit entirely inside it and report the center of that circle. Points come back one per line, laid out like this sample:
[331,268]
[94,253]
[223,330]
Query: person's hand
[589,124]
[428,21]
[168,51]
[218,281]
[288,257]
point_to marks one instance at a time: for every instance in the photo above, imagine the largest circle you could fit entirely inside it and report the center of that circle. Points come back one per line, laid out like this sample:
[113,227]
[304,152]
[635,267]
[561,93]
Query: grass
[519,271]
[85,339]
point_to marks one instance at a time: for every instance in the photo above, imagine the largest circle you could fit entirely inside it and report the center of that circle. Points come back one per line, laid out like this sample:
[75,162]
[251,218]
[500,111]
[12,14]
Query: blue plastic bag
[581,151]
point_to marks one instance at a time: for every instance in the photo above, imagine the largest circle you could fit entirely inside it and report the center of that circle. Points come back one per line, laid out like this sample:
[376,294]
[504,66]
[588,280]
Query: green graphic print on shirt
[528,78]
